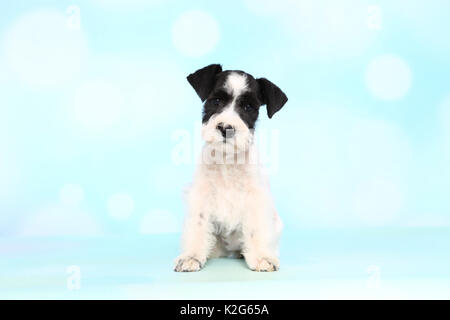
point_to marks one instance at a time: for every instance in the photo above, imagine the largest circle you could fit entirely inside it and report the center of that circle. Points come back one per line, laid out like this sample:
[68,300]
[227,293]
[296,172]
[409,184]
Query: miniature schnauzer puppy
[230,209]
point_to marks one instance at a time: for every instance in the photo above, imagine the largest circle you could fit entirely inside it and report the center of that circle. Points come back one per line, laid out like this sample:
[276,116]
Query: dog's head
[232,100]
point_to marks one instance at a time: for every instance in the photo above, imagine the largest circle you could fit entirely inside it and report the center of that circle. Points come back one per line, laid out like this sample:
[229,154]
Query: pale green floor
[407,263]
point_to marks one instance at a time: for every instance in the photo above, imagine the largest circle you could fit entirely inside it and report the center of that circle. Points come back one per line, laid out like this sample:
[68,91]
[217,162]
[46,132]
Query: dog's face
[231,105]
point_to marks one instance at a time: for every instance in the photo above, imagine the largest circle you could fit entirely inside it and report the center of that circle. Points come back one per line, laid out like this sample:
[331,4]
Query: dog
[230,209]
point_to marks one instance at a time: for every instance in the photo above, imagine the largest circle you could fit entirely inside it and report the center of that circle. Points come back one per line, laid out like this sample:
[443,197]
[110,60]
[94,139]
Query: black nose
[226,130]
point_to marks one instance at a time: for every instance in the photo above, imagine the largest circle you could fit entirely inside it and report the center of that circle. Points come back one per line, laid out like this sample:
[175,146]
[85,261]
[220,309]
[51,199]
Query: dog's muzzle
[226,130]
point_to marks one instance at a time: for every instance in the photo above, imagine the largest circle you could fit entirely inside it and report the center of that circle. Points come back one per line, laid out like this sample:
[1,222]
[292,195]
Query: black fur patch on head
[215,103]
[209,83]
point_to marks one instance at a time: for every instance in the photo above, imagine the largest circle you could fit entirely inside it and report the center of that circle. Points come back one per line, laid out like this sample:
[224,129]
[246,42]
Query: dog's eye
[216,101]
[248,108]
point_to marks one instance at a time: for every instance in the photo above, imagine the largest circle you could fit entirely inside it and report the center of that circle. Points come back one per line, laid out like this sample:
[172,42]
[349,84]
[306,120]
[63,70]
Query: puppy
[230,210]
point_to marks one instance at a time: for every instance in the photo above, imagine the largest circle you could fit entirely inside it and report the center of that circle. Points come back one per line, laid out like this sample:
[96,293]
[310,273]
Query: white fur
[236,83]
[230,209]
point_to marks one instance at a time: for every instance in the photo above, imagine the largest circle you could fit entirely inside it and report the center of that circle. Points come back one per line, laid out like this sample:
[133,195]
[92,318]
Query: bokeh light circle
[388,77]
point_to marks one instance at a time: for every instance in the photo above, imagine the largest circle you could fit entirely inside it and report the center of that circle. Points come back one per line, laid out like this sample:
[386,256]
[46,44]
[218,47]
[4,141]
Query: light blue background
[89,115]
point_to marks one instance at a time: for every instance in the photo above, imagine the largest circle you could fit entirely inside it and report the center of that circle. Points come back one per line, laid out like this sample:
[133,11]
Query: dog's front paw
[187,264]
[263,264]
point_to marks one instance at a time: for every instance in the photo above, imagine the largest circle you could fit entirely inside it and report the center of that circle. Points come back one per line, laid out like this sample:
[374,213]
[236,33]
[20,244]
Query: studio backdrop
[100,130]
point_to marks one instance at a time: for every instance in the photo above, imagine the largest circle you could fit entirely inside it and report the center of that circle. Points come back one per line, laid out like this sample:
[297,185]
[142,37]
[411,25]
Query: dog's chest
[229,192]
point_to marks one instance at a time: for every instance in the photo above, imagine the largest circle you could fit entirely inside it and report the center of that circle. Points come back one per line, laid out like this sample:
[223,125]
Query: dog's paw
[187,264]
[263,264]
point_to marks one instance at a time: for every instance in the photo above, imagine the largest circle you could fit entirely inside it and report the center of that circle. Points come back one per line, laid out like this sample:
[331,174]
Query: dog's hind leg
[218,250]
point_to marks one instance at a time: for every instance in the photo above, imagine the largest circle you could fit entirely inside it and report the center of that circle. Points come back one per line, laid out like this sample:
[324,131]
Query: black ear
[203,80]
[271,95]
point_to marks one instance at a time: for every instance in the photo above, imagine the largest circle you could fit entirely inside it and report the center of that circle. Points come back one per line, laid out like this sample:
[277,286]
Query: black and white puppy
[230,209]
